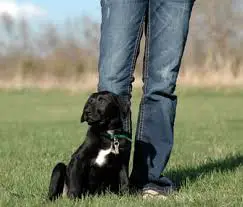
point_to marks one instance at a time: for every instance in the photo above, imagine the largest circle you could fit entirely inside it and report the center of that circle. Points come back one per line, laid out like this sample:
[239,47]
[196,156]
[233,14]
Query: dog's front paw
[124,188]
[73,194]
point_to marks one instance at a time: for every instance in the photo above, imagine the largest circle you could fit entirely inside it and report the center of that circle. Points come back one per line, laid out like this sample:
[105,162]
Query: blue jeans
[166,30]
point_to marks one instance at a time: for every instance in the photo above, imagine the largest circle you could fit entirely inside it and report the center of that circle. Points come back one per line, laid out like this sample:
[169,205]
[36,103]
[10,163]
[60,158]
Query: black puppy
[101,162]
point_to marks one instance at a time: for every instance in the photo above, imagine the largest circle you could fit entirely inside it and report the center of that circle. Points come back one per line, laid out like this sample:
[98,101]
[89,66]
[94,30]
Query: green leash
[115,139]
[117,136]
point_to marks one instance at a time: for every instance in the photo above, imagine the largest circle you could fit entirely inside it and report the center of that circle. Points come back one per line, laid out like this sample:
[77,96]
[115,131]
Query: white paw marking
[65,190]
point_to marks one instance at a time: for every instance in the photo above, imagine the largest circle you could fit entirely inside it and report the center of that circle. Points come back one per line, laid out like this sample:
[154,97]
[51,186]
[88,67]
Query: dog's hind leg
[57,181]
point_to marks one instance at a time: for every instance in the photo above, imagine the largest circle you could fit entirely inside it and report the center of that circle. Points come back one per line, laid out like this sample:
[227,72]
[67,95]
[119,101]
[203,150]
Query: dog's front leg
[123,179]
[75,188]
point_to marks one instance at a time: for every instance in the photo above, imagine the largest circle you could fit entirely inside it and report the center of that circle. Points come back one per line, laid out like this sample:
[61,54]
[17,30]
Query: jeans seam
[145,71]
[134,58]
[135,52]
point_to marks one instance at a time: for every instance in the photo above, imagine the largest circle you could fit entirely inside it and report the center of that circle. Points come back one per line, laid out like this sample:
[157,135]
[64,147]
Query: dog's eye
[91,100]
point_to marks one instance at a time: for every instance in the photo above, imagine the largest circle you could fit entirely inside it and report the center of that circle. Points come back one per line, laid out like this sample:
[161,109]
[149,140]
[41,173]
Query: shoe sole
[150,194]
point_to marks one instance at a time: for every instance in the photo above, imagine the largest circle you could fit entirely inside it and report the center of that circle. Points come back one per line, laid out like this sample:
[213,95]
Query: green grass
[38,129]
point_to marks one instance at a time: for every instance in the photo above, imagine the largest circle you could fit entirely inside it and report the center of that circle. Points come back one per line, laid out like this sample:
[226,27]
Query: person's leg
[167,29]
[121,30]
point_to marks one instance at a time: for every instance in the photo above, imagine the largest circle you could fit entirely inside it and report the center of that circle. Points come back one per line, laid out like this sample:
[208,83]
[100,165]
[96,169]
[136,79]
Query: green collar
[117,136]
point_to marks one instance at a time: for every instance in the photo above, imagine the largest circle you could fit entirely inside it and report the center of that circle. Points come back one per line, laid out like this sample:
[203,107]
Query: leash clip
[116,146]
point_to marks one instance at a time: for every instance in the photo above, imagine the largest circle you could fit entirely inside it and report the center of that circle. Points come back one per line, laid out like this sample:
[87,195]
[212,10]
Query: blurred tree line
[70,51]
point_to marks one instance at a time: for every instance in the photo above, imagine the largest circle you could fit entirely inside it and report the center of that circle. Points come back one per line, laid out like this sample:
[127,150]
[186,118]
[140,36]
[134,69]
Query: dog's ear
[83,117]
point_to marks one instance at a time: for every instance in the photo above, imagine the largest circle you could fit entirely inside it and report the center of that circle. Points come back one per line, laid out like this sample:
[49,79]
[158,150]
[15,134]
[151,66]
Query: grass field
[37,129]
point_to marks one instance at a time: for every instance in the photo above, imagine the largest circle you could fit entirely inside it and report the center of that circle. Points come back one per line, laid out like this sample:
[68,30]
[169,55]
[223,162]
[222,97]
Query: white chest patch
[102,157]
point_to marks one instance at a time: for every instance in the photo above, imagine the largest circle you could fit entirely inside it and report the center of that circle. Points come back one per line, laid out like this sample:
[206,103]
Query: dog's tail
[57,181]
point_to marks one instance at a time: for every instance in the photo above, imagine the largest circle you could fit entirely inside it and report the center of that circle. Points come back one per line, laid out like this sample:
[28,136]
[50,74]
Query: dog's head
[104,109]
